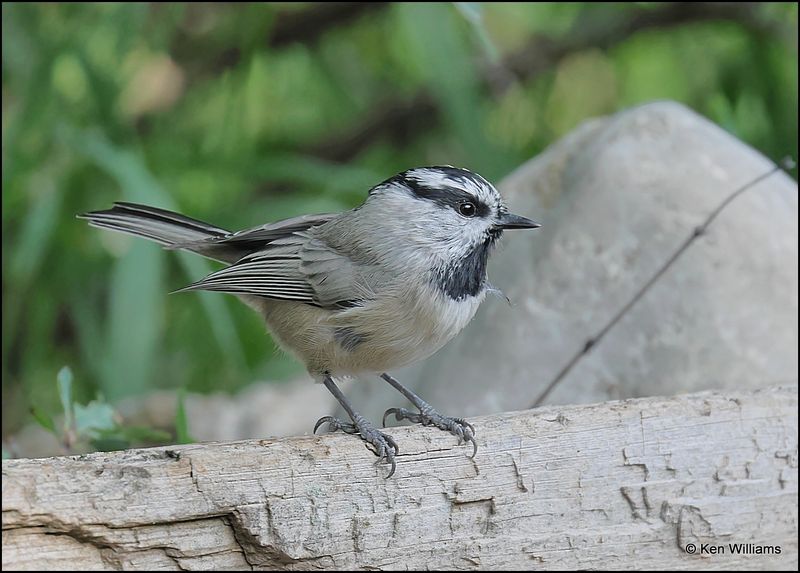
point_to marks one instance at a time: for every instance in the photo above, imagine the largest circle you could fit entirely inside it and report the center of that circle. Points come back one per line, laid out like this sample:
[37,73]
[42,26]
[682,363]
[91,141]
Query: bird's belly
[400,338]
[371,339]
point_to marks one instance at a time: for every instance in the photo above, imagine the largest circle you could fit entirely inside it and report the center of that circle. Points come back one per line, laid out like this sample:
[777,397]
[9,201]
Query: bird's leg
[429,417]
[383,444]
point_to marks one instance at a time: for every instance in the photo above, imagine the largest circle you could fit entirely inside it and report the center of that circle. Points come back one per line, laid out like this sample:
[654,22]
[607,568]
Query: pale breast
[400,328]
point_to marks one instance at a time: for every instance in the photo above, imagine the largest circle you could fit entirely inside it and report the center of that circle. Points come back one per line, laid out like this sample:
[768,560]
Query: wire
[785,164]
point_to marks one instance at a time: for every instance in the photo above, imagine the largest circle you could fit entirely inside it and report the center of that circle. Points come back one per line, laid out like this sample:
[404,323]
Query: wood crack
[246,505]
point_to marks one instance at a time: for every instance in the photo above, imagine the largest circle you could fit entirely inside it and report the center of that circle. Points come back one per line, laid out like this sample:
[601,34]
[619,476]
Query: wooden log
[613,485]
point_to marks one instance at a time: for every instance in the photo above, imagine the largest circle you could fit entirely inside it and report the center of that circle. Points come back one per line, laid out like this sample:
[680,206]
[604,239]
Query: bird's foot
[427,416]
[383,445]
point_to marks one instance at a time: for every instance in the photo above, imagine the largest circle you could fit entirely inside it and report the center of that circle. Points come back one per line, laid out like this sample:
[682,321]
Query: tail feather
[176,231]
[164,227]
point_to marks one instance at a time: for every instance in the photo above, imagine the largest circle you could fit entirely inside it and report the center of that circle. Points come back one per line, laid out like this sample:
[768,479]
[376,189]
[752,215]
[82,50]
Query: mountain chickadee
[364,291]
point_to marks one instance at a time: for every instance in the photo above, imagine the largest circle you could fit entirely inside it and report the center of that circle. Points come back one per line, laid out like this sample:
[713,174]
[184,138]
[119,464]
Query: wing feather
[257,238]
[299,266]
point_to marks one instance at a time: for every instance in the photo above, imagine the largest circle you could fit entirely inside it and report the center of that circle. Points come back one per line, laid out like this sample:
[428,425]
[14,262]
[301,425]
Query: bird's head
[450,214]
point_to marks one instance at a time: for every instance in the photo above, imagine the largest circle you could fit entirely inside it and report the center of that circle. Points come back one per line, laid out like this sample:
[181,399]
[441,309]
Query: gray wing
[336,280]
[299,267]
[232,247]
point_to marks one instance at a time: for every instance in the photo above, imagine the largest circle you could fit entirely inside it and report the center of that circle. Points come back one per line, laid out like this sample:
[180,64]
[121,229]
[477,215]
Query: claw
[460,428]
[386,448]
[474,447]
[463,422]
[389,458]
[336,424]
[391,452]
[389,412]
[382,445]
[324,419]
[392,443]
[403,414]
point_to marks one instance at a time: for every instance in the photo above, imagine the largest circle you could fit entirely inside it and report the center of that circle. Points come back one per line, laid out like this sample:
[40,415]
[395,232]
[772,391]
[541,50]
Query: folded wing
[300,267]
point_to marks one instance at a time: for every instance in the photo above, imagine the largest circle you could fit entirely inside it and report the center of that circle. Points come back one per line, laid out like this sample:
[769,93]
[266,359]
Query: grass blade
[181,423]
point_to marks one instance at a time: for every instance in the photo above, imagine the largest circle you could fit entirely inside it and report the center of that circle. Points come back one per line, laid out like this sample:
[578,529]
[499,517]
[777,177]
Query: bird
[360,292]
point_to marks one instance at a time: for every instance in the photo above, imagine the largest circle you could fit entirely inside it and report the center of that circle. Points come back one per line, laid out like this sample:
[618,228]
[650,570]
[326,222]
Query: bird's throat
[465,277]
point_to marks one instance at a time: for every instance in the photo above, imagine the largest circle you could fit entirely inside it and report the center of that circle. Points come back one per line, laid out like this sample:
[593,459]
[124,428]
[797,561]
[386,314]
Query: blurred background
[239,114]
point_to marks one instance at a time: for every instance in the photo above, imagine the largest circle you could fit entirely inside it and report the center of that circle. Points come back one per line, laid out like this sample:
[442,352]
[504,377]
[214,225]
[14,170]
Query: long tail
[164,227]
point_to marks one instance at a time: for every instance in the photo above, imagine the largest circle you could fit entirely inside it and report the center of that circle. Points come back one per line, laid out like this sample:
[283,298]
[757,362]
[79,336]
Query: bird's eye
[467,209]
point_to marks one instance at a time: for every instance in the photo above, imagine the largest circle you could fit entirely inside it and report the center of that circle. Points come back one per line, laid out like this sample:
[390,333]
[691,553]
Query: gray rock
[617,197]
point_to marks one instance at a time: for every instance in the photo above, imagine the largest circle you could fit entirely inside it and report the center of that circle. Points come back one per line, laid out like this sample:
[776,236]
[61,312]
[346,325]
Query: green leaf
[473,13]
[64,381]
[219,317]
[130,434]
[94,418]
[109,444]
[145,434]
[137,291]
[33,241]
[136,309]
[6,454]
[141,314]
[90,335]
[181,423]
[44,419]
[439,49]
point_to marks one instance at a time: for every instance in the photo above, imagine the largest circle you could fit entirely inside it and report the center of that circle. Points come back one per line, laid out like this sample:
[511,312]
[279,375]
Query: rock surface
[616,198]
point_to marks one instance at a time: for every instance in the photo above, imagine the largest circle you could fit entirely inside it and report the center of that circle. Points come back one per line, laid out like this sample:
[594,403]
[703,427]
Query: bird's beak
[509,221]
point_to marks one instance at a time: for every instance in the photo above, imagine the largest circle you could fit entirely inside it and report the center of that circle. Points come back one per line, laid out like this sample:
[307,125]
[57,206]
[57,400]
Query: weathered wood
[612,485]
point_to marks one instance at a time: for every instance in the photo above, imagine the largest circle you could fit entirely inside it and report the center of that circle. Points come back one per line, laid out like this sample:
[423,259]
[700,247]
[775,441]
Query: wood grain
[613,485]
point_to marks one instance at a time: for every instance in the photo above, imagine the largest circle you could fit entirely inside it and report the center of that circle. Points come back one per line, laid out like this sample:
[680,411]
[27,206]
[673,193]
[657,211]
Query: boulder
[617,197]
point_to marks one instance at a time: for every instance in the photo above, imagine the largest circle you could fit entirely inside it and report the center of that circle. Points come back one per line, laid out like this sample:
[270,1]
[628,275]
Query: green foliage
[190,107]
[44,419]
[181,422]
[97,425]
[64,381]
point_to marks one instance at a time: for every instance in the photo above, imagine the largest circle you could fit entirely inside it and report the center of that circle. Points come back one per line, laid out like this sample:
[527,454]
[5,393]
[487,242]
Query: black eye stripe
[451,197]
